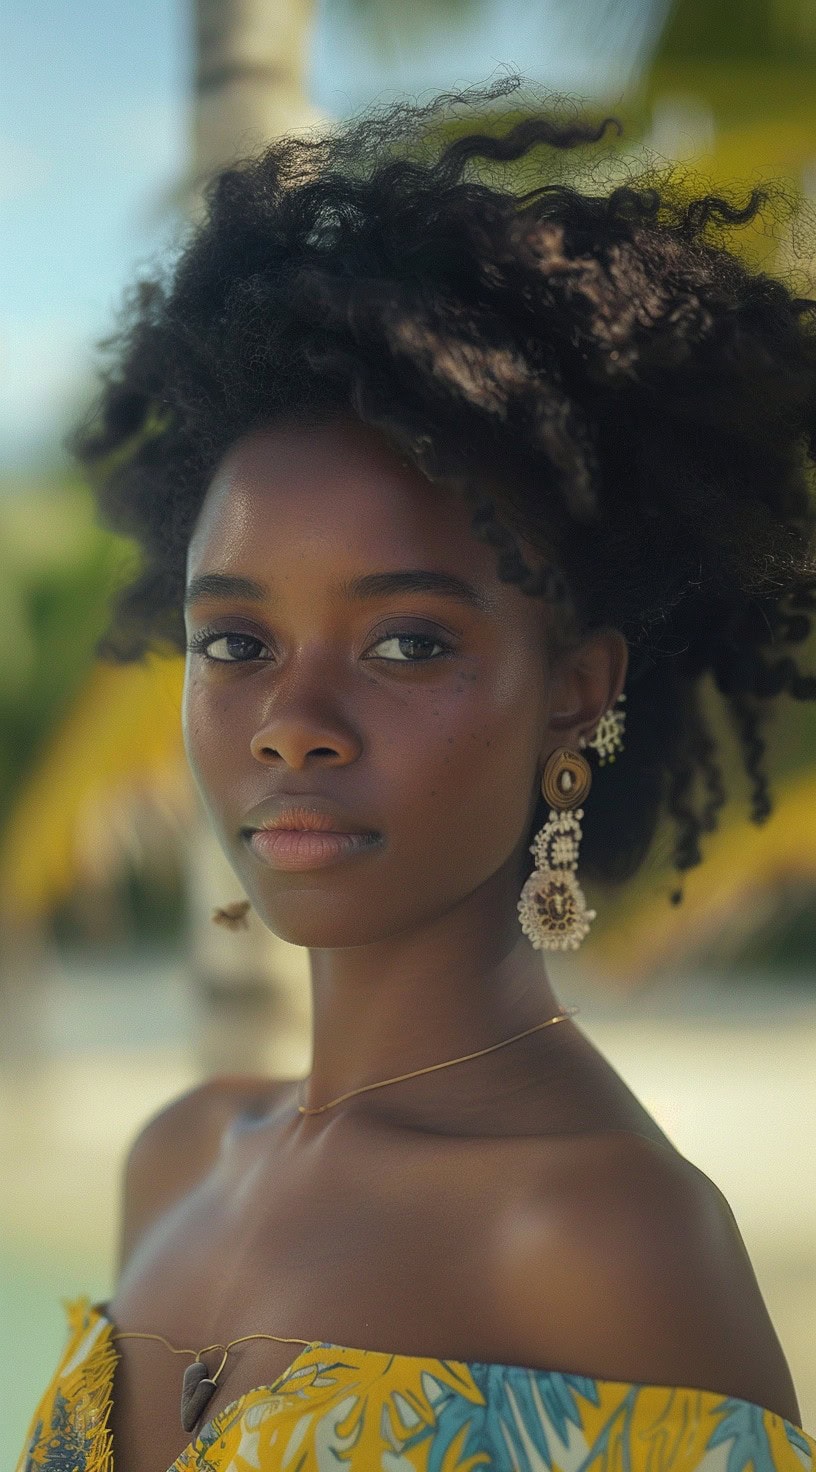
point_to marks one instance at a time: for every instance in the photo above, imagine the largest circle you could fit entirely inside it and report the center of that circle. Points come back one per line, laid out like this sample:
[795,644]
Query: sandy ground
[729,1073]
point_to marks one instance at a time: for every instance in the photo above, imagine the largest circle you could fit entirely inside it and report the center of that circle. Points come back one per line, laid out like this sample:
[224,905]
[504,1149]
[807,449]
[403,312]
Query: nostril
[267,751]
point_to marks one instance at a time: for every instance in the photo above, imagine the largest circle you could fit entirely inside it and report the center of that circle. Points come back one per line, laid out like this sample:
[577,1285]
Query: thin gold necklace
[561,1017]
[198,1387]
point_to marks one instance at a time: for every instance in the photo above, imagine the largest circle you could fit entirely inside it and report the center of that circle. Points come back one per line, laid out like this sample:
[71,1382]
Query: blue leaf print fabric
[339,1408]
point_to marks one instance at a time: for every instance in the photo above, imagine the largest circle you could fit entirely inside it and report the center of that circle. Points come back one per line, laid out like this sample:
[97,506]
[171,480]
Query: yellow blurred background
[117,993]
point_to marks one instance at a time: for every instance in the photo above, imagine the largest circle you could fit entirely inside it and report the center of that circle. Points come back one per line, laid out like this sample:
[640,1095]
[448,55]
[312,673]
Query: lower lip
[302,848]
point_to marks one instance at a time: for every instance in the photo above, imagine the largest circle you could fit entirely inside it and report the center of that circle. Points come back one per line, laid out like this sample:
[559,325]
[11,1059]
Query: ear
[585,682]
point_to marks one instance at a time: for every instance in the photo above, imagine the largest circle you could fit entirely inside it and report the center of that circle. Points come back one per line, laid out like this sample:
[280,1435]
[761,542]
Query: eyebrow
[369,586]
[414,580]
[223,585]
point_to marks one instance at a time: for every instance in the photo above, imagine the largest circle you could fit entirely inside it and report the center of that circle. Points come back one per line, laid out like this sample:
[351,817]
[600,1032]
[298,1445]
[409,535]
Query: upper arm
[167,1158]
[643,1265]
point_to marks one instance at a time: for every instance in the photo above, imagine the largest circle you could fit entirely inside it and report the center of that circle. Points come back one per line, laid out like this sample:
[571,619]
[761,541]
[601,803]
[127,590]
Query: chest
[353,1247]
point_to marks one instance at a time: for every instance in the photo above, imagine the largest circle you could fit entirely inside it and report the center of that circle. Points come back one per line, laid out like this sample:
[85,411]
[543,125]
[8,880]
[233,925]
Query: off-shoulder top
[369,1411]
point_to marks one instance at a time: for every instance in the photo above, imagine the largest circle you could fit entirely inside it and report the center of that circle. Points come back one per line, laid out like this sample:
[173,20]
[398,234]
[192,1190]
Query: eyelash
[198,644]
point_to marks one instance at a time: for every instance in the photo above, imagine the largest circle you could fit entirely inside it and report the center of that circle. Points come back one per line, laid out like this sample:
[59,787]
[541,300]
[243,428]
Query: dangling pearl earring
[552,908]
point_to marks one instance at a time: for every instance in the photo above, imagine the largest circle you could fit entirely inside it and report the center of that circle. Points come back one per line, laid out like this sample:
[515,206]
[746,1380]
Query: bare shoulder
[637,1255]
[175,1148]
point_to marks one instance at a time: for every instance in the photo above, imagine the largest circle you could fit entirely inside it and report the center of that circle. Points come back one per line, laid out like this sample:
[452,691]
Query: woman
[429,475]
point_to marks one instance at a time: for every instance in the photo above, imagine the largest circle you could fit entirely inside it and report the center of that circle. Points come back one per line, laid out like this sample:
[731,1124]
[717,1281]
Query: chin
[318,921]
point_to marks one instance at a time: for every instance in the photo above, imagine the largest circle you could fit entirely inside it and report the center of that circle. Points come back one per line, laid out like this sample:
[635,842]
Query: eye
[233,648]
[411,638]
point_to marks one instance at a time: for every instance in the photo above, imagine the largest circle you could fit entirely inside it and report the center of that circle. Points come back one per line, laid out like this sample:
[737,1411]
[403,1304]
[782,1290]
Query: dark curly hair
[600,374]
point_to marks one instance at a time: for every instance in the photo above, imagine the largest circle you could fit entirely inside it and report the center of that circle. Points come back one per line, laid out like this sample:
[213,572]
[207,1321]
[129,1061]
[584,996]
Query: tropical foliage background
[101,842]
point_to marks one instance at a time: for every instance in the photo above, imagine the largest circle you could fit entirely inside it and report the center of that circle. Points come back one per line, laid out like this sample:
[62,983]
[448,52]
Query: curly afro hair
[601,375]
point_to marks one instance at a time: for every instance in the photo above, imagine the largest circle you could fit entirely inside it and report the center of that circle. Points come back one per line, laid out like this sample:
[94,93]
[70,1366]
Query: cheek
[474,775]
[208,729]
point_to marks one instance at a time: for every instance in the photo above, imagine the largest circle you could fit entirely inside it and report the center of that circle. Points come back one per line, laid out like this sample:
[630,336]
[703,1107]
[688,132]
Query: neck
[463,981]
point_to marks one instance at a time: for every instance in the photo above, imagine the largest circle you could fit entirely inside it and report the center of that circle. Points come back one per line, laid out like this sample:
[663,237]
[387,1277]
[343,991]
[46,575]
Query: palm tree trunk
[253,989]
[250,77]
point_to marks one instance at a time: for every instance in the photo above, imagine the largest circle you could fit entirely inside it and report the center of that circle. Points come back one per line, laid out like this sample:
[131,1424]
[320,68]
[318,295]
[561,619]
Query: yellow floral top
[369,1411]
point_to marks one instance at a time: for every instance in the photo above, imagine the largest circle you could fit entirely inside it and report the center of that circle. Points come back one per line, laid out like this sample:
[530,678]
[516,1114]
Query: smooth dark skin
[522,1207]
[415,948]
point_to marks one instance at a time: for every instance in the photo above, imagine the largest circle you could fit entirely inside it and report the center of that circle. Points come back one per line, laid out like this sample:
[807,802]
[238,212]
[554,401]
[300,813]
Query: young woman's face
[420,714]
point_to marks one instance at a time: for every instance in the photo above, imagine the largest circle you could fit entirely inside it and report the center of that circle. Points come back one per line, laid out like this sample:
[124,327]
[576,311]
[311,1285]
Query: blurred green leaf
[59,571]
[764,31]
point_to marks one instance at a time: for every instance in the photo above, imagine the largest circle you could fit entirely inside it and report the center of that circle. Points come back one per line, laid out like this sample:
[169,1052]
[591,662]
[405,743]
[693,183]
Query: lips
[303,813]
[304,833]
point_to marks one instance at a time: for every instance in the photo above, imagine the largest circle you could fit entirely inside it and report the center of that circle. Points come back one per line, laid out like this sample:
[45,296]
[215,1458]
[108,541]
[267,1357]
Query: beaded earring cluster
[608,737]
[552,907]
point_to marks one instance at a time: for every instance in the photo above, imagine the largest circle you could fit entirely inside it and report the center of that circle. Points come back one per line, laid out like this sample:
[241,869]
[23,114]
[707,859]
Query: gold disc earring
[552,908]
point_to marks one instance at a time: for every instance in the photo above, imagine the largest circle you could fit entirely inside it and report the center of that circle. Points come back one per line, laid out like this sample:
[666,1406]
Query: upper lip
[303,811]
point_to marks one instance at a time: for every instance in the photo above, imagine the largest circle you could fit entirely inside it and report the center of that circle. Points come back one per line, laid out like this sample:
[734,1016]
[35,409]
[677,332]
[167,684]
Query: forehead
[334,493]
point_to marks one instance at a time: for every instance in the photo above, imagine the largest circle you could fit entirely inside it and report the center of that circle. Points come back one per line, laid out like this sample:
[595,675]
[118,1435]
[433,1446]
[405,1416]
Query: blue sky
[93,135]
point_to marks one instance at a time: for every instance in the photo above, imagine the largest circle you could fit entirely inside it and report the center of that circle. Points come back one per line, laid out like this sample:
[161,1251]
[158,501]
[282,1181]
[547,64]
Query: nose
[295,737]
